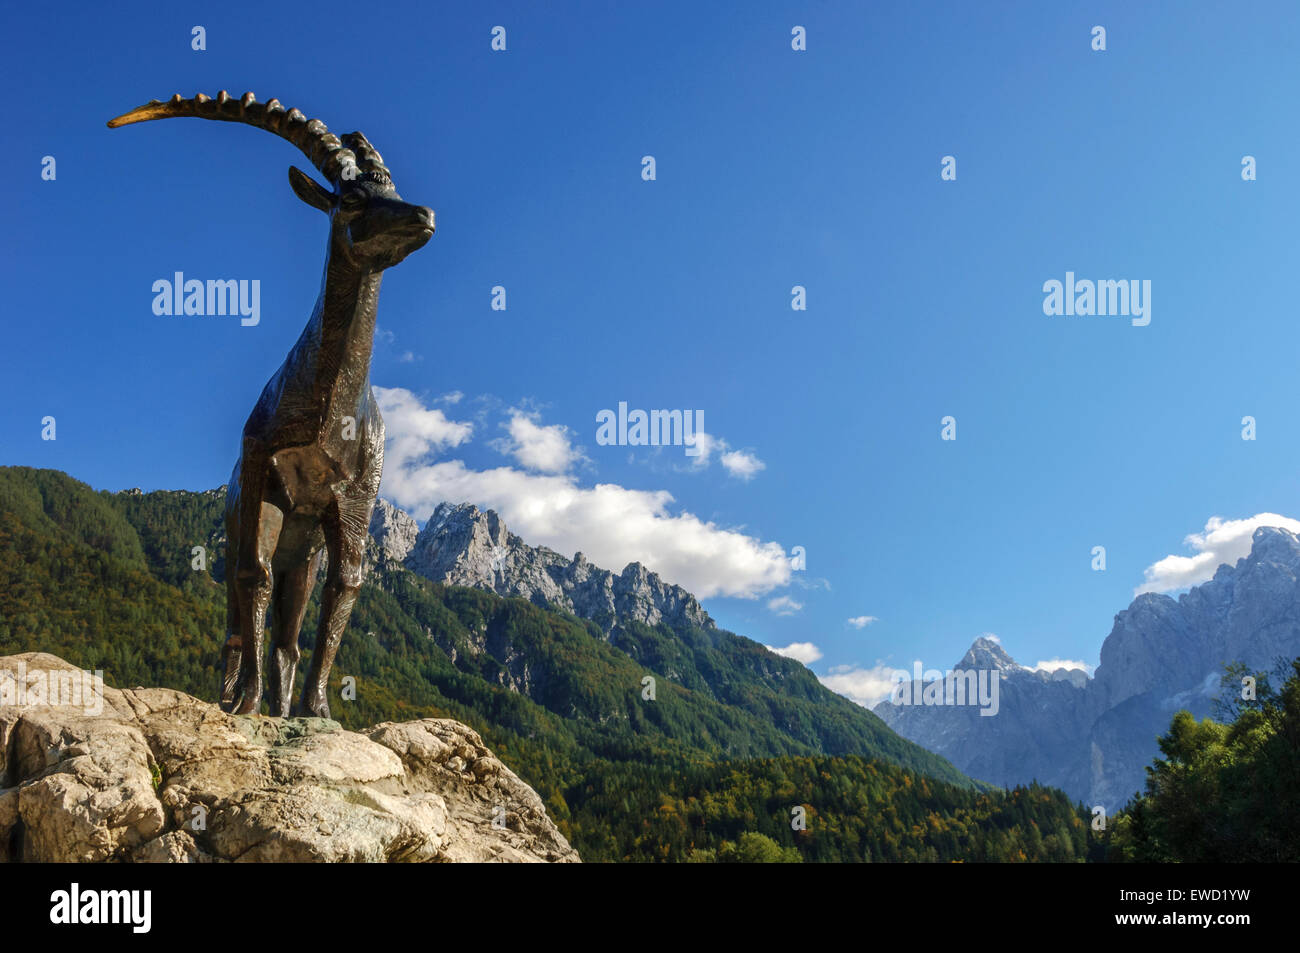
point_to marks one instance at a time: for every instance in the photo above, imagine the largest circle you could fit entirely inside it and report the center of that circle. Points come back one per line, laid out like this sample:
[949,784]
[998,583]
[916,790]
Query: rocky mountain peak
[1076,677]
[466,517]
[393,531]
[986,653]
[1274,551]
[462,545]
[1273,545]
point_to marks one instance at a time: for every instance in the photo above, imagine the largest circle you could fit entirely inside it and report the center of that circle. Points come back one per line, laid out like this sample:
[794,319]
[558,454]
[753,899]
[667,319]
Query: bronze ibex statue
[313,447]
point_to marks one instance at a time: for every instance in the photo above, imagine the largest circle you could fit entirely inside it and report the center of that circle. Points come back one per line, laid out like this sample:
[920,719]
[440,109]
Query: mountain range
[461,546]
[637,615]
[1093,737]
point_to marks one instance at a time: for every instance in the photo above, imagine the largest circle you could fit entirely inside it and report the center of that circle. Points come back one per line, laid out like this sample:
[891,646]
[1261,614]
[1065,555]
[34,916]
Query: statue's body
[313,447]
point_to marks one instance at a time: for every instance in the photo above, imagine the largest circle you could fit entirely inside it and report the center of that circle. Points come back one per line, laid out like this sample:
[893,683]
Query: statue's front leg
[231,661]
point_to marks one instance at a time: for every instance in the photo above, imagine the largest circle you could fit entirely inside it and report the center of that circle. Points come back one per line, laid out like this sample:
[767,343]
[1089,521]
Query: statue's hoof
[318,710]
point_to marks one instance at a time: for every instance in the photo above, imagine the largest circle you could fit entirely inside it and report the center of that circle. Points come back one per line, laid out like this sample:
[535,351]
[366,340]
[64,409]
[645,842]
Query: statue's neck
[346,310]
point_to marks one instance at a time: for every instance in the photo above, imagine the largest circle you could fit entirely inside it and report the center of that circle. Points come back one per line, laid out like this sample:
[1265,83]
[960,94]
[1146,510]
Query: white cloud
[536,447]
[414,430]
[1223,541]
[611,524]
[866,686]
[1051,665]
[862,621]
[804,652]
[784,605]
[742,464]
[454,397]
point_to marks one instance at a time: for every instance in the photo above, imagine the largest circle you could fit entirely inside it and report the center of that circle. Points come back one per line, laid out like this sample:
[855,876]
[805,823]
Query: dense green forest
[852,809]
[1226,790]
[710,770]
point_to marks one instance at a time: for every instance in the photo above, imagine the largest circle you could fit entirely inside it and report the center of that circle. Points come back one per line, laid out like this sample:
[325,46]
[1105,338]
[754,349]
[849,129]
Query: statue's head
[369,222]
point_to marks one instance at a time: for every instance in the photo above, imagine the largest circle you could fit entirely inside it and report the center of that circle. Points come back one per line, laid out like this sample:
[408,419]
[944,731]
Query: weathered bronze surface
[313,447]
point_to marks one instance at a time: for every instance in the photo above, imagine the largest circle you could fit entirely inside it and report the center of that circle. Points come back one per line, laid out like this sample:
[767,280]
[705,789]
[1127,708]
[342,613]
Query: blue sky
[774,168]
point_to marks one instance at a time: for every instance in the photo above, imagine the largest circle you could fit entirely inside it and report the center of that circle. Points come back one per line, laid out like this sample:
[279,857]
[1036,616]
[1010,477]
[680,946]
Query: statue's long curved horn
[334,160]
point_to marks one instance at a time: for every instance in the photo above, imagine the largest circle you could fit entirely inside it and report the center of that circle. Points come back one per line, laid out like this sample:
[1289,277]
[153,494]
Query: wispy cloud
[862,621]
[741,464]
[866,686]
[804,652]
[387,341]
[784,605]
[1051,665]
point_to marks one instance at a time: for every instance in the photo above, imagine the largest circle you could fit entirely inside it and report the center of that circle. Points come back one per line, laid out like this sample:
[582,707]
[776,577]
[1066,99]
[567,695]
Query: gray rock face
[392,533]
[1022,742]
[159,776]
[462,546]
[1094,737]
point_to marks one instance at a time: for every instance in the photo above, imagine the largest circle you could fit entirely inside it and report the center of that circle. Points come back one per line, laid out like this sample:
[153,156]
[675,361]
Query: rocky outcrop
[462,546]
[1094,737]
[392,534]
[159,776]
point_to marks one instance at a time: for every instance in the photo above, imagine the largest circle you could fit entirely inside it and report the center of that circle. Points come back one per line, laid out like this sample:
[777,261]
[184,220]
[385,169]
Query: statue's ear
[310,191]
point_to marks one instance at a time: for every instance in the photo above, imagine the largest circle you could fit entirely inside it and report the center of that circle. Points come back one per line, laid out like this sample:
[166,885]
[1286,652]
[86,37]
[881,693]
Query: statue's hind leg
[259,531]
[345,524]
[292,590]
[231,651]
